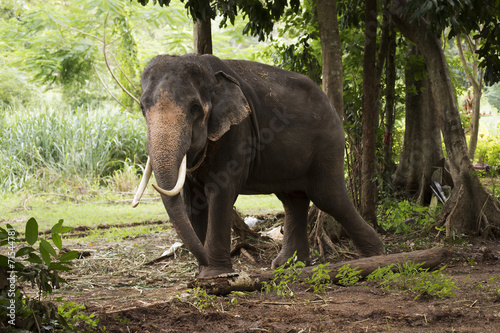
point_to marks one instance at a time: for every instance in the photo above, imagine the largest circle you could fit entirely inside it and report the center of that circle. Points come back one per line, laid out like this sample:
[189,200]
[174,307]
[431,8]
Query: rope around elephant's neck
[201,159]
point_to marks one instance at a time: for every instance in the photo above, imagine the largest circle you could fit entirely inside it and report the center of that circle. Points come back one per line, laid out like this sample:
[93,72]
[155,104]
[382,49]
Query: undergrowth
[412,278]
[407,277]
[402,217]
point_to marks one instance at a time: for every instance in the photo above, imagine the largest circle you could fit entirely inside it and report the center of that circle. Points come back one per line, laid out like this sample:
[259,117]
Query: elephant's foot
[374,247]
[283,257]
[209,271]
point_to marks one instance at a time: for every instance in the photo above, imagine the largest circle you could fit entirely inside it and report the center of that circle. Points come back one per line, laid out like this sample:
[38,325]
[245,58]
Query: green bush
[47,144]
[404,216]
[38,264]
[488,150]
[411,278]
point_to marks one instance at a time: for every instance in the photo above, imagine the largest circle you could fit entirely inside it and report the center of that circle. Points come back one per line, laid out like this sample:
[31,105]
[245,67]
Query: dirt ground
[128,295]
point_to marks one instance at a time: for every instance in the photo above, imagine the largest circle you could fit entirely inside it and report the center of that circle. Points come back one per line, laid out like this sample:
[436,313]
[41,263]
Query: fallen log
[224,284]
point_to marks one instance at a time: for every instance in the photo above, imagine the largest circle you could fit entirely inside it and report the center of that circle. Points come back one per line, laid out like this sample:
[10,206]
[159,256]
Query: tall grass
[43,144]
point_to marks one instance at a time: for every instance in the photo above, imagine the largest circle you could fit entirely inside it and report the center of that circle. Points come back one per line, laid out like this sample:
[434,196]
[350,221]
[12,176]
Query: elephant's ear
[229,106]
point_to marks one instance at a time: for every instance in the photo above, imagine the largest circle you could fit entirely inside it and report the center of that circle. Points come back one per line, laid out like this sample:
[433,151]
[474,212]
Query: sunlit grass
[109,208]
[258,204]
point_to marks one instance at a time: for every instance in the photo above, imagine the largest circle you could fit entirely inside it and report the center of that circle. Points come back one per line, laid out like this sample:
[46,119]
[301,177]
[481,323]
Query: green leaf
[3,233]
[56,238]
[69,256]
[34,259]
[24,251]
[57,266]
[56,227]
[4,261]
[31,231]
[46,250]
[65,229]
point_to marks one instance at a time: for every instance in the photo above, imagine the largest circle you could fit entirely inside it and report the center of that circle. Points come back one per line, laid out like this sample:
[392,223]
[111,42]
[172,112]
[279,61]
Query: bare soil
[127,295]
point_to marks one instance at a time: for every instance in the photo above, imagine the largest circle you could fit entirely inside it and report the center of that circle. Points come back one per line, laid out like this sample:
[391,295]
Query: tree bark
[222,285]
[422,148]
[202,34]
[390,97]
[470,208]
[472,74]
[331,53]
[368,195]
[324,228]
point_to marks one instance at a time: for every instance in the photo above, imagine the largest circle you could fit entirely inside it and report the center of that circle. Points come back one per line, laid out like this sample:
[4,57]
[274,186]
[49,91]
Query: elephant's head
[186,101]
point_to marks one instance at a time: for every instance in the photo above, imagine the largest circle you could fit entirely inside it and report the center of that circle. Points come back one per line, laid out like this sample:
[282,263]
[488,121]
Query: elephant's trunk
[168,161]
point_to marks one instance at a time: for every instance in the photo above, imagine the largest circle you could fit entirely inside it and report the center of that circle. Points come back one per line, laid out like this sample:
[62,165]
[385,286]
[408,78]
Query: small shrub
[348,276]
[200,299]
[412,278]
[38,264]
[284,276]
[488,151]
[404,216]
[319,278]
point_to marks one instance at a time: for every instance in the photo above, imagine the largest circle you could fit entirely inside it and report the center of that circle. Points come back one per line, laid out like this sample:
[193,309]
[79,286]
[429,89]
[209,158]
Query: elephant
[219,128]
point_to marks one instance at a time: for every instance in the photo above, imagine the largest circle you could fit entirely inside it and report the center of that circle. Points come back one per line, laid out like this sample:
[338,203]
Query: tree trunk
[202,33]
[368,195]
[331,53]
[470,208]
[390,97]
[472,74]
[422,149]
[324,228]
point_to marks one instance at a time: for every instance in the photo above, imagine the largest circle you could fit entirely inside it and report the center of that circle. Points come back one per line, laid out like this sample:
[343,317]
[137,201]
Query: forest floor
[116,283]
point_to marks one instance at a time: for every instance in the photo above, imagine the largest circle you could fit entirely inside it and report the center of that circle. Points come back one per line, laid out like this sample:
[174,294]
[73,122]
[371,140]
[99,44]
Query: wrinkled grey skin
[265,130]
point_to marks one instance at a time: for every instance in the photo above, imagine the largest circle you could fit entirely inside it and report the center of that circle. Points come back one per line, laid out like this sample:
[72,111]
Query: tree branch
[109,92]
[468,70]
[109,68]
[123,72]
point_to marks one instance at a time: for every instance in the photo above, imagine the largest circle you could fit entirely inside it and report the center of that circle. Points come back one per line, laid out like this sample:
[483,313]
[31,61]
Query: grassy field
[112,209]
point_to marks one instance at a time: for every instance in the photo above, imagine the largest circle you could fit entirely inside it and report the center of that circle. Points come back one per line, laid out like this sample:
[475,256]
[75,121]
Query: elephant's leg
[329,194]
[196,205]
[218,238]
[296,205]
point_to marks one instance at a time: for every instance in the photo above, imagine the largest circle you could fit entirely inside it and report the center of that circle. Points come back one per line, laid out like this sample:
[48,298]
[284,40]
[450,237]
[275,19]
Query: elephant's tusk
[143,184]
[180,181]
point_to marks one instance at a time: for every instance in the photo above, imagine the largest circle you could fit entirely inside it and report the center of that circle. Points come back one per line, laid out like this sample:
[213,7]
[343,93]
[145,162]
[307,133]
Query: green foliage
[59,47]
[200,299]
[40,266]
[319,278]
[412,278]
[43,145]
[463,16]
[284,276]
[348,276]
[297,47]
[492,93]
[76,317]
[488,150]
[404,216]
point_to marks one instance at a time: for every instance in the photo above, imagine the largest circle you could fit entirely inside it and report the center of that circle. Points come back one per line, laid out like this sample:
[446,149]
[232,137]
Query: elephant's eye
[196,108]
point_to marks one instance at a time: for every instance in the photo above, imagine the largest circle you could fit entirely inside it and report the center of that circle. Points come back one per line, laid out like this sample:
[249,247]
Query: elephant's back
[262,76]
[275,86]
